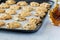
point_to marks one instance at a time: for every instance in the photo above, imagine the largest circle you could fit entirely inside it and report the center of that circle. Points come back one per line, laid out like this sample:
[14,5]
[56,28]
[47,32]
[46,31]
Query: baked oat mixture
[22,15]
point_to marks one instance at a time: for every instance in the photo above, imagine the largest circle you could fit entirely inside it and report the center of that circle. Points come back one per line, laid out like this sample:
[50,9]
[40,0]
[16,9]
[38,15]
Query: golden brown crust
[22,3]
[15,7]
[2,10]
[12,12]
[27,8]
[45,5]
[21,18]
[10,2]
[29,27]
[25,13]
[40,14]
[2,23]
[13,25]
[5,17]
[41,9]
[34,4]
[34,20]
[4,5]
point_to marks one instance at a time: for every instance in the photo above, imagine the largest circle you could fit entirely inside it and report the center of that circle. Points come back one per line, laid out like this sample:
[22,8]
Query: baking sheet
[18,30]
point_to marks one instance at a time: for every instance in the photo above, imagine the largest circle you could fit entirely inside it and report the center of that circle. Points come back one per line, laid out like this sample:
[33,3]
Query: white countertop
[47,32]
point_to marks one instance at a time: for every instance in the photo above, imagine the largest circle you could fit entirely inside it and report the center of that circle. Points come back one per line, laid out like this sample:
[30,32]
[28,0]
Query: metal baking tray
[28,31]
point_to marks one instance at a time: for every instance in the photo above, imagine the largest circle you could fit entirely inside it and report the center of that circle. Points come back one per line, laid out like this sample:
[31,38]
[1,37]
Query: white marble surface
[47,32]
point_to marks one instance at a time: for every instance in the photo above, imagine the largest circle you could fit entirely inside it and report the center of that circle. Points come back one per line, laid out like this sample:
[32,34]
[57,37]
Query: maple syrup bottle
[55,15]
